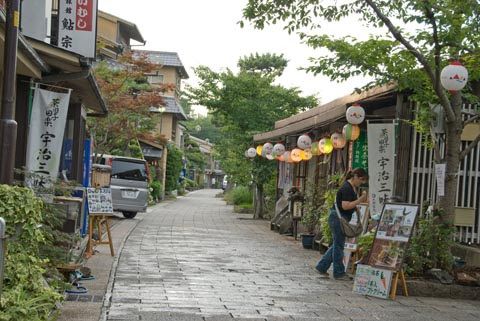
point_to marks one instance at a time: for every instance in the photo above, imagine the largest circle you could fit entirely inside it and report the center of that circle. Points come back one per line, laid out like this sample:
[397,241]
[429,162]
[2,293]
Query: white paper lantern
[279,149]
[454,76]
[304,142]
[251,152]
[268,147]
[269,156]
[338,140]
[355,114]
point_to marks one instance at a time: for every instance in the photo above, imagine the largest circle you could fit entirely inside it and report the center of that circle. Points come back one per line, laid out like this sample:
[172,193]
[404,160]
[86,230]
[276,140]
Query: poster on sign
[77,26]
[392,236]
[372,281]
[99,200]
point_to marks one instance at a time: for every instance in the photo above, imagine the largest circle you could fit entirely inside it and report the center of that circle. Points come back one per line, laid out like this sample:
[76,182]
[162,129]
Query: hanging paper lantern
[351,132]
[251,152]
[338,140]
[280,158]
[279,149]
[454,76]
[295,154]
[259,150]
[304,142]
[355,114]
[306,155]
[269,156]
[325,145]
[268,147]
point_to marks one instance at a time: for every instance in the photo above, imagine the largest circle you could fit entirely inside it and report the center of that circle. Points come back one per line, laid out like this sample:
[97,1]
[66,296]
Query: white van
[129,184]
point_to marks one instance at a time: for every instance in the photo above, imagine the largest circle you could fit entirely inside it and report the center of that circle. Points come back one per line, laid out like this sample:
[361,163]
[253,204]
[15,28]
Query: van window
[124,169]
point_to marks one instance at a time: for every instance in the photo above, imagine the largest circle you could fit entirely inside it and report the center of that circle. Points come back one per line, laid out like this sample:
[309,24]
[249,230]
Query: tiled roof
[174,107]
[165,58]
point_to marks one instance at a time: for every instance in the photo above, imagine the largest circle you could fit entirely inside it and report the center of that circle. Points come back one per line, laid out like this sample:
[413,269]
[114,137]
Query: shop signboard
[45,137]
[99,200]
[360,151]
[372,281]
[381,163]
[77,26]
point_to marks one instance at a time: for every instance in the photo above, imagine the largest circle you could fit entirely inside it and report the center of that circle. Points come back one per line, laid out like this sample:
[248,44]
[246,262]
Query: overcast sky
[206,33]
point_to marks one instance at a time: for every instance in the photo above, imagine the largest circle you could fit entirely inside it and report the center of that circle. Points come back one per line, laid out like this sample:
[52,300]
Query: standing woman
[347,201]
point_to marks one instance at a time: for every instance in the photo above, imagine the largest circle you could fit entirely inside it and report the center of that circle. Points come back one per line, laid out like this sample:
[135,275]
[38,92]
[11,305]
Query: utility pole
[8,125]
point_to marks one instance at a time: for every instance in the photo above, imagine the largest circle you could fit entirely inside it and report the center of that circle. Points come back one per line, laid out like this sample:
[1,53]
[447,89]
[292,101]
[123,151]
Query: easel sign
[393,234]
[372,281]
[99,200]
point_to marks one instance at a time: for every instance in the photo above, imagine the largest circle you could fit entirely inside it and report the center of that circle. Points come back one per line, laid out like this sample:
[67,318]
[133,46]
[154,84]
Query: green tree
[203,127]
[130,98]
[174,165]
[245,104]
[414,41]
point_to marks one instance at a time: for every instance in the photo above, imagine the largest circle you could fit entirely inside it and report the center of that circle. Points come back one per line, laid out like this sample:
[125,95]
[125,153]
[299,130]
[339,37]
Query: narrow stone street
[194,259]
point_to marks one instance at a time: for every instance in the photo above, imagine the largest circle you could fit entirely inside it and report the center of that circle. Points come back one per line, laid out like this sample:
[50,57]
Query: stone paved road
[194,259]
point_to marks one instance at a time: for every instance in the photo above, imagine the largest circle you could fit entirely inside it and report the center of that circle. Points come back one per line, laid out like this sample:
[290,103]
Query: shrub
[241,195]
[25,293]
[429,247]
[156,190]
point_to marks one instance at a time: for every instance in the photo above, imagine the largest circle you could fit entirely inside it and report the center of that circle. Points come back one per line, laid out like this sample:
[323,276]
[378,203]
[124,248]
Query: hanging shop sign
[77,26]
[360,151]
[381,163]
[45,137]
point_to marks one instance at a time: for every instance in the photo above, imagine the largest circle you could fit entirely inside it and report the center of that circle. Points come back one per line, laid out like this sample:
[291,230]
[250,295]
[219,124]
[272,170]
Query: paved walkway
[196,260]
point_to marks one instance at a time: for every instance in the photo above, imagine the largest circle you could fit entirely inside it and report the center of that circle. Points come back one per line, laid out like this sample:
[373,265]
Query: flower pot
[307,240]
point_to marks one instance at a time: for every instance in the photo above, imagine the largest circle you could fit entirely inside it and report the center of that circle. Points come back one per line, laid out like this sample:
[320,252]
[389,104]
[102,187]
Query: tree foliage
[130,98]
[410,42]
[244,104]
[195,158]
[174,165]
[203,127]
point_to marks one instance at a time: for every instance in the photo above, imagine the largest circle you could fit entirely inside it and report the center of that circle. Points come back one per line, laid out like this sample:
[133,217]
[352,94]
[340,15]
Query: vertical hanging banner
[77,26]
[381,163]
[45,137]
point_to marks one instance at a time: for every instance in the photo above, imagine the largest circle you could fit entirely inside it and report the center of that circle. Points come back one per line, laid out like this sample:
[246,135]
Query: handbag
[349,230]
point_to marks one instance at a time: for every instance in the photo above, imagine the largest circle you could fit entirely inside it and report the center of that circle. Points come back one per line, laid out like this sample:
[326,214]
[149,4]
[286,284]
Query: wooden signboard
[393,234]
[372,281]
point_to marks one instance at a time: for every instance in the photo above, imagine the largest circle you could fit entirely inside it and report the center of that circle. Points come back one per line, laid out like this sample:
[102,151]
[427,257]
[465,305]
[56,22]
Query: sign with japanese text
[381,163]
[372,281]
[77,26]
[360,151]
[45,137]
[99,200]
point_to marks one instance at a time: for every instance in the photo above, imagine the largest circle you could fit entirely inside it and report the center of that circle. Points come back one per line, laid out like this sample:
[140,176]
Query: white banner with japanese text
[45,137]
[381,163]
[77,26]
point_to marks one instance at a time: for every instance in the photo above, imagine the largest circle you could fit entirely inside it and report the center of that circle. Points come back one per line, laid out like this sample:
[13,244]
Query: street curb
[111,279]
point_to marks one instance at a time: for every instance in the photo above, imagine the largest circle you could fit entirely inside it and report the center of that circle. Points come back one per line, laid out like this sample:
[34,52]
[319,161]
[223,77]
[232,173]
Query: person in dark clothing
[347,201]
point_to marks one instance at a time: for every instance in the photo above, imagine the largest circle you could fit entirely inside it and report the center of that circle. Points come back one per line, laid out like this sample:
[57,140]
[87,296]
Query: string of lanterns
[306,149]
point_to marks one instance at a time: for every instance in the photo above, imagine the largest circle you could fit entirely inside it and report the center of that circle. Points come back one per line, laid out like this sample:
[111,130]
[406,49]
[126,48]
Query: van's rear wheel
[129,214]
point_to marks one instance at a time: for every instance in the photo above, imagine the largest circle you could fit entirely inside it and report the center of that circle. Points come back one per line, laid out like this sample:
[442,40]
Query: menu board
[99,200]
[393,233]
[372,281]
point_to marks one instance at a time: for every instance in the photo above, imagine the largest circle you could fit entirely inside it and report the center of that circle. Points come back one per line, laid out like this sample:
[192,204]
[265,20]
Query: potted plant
[311,214]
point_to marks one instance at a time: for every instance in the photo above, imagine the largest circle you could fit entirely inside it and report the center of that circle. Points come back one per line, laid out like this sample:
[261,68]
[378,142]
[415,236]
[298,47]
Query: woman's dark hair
[359,172]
